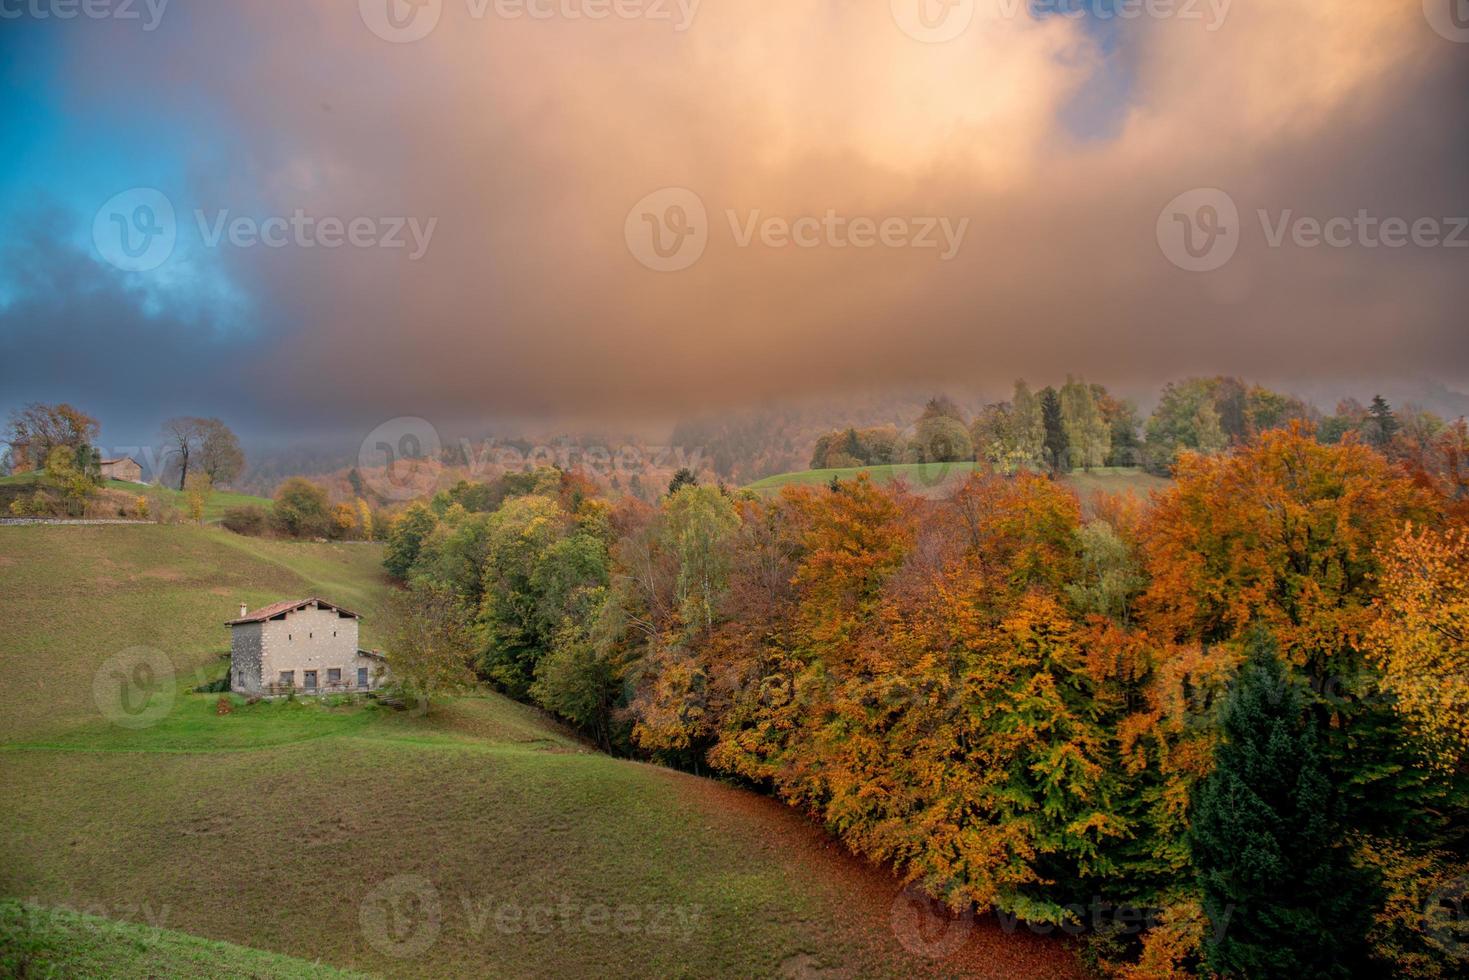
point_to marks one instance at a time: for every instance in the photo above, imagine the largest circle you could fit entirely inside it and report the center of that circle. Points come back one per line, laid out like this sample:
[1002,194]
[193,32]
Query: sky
[311,216]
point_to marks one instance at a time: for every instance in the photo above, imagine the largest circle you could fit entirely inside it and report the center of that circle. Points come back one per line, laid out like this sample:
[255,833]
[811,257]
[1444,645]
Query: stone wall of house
[312,639]
[245,658]
[123,469]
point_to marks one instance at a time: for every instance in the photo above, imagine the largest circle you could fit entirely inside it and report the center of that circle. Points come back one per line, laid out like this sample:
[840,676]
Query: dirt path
[877,927]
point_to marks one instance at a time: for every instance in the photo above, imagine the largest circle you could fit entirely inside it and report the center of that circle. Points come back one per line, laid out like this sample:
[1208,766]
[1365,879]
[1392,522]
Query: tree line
[59,441]
[1081,426]
[1240,705]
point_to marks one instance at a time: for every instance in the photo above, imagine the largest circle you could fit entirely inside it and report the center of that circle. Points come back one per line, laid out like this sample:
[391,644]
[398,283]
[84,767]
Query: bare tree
[186,432]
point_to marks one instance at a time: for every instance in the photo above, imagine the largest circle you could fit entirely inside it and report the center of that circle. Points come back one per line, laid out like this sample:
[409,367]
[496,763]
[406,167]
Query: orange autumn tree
[855,537]
[1287,532]
[930,700]
[1421,641]
[846,543]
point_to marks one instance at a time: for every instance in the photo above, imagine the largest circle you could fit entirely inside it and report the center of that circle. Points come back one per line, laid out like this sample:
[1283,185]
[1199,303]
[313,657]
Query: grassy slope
[219,500]
[275,825]
[75,596]
[917,475]
[39,942]
[938,478]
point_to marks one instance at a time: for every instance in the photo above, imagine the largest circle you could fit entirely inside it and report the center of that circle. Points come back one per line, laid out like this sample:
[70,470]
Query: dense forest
[1239,706]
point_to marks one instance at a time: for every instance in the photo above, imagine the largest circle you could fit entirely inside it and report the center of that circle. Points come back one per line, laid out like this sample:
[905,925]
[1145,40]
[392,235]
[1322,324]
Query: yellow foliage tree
[344,519]
[364,519]
[197,488]
[1421,640]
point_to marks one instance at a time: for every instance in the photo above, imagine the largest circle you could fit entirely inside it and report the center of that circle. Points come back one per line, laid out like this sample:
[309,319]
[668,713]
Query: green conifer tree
[1383,425]
[1280,889]
[1057,445]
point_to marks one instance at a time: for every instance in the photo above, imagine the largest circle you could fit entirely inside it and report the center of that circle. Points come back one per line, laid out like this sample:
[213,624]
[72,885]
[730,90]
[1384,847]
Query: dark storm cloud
[530,141]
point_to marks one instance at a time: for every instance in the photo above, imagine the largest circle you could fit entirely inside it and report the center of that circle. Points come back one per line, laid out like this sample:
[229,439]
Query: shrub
[248,520]
[302,509]
[161,507]
[38,504]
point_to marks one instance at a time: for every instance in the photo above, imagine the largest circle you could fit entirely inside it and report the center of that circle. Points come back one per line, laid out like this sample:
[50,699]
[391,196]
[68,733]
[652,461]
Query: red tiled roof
[289,605]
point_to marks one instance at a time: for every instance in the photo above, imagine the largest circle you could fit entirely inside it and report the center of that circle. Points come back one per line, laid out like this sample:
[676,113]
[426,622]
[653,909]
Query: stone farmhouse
[308,646]
[122,468]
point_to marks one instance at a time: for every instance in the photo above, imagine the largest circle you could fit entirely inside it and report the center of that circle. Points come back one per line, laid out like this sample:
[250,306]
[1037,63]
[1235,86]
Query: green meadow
[478,838]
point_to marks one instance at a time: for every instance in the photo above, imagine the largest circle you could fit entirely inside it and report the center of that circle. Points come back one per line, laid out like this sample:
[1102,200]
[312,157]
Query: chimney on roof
[244,610]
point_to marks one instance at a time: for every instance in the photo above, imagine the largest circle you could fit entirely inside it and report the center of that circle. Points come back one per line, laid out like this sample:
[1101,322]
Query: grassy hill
[219,500]
[40,942]
[477,839]
[937,479]
[75,596]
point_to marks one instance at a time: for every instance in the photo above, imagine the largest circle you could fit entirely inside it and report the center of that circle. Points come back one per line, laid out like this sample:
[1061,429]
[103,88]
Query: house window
[288,678]
[361,676]
[311,680]
[288,637]
[334,675]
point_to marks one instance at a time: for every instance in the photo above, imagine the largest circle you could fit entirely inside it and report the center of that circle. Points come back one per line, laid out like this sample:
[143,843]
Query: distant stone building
[304,645]
[122,468]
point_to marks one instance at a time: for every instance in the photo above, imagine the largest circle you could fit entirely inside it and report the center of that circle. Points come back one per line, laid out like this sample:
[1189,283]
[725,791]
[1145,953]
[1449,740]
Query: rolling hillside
[480,838]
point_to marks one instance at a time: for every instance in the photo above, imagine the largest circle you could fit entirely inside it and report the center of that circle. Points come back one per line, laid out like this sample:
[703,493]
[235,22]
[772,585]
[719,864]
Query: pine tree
[685,477]
[1280,890]
[1384,424]
[1057,445]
